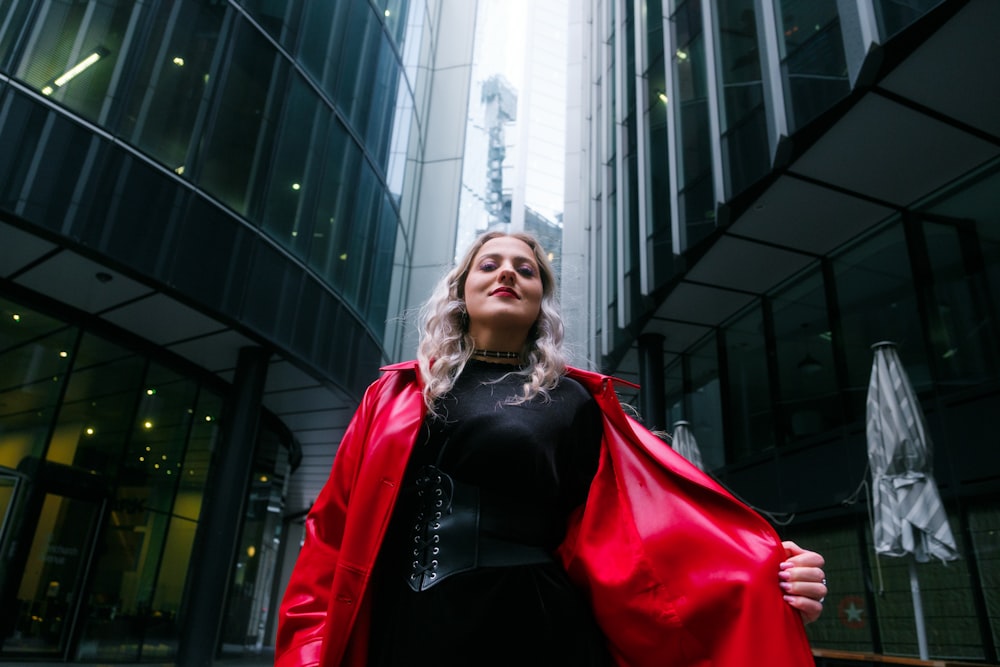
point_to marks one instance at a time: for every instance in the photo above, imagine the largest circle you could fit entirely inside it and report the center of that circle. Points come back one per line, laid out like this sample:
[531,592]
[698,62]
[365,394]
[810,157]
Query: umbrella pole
[918,610]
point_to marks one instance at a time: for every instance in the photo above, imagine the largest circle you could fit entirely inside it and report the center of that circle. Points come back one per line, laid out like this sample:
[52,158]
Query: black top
[532,464]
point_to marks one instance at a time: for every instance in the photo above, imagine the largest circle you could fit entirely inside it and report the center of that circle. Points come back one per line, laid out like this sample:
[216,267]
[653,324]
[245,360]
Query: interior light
[681,55]
[343,257]
[75,70]
[251,551]
[89,431]
[156,465]
[263,478]
[208,418]
[63,354]
[16,317]
[296,186]
[148,424]
[386,13]
[179,170]
[951,352]
[179,61]
[662,96]
[150,392]
[142,458]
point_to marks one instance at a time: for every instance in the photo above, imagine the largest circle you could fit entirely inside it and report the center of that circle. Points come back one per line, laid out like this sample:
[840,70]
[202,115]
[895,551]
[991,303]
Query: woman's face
[503,294]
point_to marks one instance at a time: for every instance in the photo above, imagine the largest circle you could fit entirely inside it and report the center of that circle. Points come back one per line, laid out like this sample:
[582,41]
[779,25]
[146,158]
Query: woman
[489,505]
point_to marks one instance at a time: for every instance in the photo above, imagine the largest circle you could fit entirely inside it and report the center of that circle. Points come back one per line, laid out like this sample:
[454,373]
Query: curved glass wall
[105,454]
[288,114]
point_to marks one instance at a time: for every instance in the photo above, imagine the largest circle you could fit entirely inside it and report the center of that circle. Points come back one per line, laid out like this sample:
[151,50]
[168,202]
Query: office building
[767,189]
[208,217]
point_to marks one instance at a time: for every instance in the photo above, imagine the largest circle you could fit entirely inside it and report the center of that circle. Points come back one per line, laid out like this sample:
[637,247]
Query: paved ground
[228,659]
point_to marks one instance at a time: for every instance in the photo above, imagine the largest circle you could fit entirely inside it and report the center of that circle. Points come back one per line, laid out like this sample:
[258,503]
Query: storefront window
[751,418]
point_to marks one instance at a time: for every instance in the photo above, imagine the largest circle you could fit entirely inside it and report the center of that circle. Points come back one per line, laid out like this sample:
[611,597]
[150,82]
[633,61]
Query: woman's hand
[803,581]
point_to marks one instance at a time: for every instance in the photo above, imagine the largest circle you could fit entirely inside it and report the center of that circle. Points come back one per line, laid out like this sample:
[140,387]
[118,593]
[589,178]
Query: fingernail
[785,586]
[784,575]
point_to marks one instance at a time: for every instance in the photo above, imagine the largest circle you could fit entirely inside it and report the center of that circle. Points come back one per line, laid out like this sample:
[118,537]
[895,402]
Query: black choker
[496,355]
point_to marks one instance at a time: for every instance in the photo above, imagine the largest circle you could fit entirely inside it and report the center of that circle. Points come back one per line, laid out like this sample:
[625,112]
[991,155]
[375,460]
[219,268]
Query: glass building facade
[241,170]
[776,186]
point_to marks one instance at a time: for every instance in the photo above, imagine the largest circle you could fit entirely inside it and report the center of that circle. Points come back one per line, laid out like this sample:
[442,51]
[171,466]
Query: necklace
[496,355]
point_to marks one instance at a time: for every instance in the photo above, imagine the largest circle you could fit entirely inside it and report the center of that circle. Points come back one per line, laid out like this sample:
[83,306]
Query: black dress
[531,465]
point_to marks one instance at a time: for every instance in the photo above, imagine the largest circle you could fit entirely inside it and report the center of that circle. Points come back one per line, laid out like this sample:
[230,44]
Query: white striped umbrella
[684,443]
[909,516]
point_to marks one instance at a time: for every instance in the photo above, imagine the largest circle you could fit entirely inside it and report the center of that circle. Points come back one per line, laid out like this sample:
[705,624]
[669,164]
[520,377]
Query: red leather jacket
[679,572]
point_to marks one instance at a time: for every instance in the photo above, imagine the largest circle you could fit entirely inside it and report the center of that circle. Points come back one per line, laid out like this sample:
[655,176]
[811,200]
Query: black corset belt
[453,531]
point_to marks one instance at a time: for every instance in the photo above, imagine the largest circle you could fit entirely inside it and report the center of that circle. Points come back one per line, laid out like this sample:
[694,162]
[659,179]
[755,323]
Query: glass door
[60,530]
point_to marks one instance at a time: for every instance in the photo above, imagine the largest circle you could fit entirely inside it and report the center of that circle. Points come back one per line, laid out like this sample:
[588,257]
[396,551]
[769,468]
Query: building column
[222,513]
[652,400]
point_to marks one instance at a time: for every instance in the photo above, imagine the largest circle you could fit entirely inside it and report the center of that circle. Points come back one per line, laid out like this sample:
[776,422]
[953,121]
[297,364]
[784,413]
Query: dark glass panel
[363,40]
[212,256]
[282,19]
[34,356]
[44,157]
[809,403]
[272,289]
[95,418]
[324,26]
[239,142]
[394,15]
[335,204]
[383,249]
[163,114]
[705,402]
[378,125]
[813,61]
[875,288]
[290,187]
[351,271]
[958,316]
[256,555]
[744,125]
[697,192]
[895,15]
[14,16]
[751,419]
[127,567]
[77,52]
[131,212]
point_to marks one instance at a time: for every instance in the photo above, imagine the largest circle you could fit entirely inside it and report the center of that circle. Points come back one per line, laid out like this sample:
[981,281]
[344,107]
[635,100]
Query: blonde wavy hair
[445,345]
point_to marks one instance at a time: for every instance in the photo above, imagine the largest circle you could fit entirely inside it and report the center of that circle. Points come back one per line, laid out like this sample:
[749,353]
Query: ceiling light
[75,70]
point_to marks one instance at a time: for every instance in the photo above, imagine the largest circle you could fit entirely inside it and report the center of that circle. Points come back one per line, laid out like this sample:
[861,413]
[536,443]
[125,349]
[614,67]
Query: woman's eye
[488,266]
[527,271]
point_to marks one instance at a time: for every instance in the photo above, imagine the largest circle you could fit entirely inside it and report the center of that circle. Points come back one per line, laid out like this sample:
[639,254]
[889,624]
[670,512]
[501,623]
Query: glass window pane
[175,69]
[877,302]
[362,42]
[289,200]
[896,15]
[705,401]
[239,143]
[697,192]
[959,317]
[77,51]
[335,201]
[751,420]
[32,371]
[813,60]
[96,415]
[281,19]
[807,379]
[744,126]
[13,14]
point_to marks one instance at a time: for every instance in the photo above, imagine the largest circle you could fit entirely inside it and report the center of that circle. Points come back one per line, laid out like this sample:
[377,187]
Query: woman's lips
[505,292]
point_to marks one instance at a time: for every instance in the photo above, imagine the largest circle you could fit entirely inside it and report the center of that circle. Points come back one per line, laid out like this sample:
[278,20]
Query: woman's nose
[507,274]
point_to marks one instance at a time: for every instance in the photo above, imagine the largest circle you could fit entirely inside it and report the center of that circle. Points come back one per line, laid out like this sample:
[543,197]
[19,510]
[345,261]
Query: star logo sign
[851,611]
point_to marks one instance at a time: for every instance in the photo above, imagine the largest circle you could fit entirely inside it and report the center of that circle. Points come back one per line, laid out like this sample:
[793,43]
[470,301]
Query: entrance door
[50,560]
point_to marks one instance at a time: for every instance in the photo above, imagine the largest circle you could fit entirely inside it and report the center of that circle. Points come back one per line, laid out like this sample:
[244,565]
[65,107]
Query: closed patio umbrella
[909,517]
[685,444]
